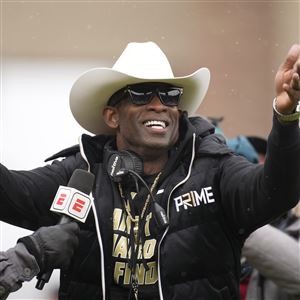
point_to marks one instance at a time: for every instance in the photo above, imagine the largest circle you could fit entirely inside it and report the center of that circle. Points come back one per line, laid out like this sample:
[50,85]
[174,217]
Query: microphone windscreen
[82,180]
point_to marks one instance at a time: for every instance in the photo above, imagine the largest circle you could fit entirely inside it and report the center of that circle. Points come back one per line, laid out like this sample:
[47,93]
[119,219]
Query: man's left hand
[287,82]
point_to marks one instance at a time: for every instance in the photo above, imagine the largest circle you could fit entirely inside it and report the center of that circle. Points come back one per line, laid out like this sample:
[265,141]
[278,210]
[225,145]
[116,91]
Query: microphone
[73,202]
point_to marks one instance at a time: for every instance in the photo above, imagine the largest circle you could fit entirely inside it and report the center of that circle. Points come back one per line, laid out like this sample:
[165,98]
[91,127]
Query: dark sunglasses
[143,93]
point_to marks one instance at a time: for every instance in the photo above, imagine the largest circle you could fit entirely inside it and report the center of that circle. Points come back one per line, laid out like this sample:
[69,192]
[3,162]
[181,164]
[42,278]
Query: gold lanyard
[135,220]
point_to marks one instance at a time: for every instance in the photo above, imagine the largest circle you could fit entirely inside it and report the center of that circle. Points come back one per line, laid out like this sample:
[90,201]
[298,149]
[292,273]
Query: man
[46,249]
[173,204]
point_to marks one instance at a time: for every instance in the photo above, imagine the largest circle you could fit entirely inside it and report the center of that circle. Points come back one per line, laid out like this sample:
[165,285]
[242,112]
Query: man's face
[149,128]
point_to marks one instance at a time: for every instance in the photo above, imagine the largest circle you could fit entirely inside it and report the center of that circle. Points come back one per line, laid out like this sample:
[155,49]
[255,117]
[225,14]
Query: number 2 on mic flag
[72,202]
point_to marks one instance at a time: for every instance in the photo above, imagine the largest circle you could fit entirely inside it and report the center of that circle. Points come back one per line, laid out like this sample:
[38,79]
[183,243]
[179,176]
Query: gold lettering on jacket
[122,250]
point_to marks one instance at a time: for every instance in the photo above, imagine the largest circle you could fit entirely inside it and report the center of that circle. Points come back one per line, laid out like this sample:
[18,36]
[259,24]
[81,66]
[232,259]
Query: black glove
[53,246]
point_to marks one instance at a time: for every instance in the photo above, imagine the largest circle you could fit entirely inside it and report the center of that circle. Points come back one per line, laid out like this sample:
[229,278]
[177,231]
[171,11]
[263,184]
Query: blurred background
[46,45]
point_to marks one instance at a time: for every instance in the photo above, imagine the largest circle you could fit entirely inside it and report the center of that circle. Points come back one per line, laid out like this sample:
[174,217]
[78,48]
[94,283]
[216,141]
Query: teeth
[155,124]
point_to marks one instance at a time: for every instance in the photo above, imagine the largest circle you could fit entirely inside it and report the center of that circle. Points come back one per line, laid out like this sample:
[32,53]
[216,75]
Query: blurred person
[274,252]
[173,204]
[46,249]
[241,145]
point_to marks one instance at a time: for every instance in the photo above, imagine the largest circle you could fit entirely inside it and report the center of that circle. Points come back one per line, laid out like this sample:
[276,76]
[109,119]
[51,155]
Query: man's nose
[155,103]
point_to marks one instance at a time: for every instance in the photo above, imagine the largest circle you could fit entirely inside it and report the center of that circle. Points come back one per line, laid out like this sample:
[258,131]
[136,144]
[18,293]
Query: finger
[292,57]
[295,81]
[294,95]
[297,67]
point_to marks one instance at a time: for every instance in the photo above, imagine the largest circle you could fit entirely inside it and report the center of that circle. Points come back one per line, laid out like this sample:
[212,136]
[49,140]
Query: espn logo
[72,202]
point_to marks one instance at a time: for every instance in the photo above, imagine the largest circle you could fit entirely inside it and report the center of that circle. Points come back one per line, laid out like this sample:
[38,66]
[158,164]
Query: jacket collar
[208,142]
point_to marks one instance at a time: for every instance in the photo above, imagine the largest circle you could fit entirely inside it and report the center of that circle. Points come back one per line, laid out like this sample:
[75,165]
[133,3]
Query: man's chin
[158,147]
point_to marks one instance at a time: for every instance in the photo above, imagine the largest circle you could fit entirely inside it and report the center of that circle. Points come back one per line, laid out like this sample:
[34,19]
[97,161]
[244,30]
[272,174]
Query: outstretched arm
[259,193]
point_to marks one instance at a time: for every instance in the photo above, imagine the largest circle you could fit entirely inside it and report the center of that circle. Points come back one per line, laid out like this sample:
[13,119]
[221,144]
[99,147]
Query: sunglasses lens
[170,97]
[140,97]
[141,94]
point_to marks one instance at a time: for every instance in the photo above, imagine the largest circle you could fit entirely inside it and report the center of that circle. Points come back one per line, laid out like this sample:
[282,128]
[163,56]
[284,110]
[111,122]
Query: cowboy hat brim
[91,91]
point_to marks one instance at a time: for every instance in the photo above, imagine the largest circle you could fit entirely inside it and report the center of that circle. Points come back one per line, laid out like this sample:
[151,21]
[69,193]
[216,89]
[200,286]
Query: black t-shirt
[124,241]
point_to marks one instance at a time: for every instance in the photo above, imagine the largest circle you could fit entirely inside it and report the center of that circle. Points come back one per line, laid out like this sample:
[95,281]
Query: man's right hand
[53,246]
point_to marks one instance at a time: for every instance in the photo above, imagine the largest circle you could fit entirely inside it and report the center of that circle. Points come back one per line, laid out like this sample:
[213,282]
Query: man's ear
[111,117]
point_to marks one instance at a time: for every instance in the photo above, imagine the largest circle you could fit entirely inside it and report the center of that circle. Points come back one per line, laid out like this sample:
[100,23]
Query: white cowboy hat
[139,62]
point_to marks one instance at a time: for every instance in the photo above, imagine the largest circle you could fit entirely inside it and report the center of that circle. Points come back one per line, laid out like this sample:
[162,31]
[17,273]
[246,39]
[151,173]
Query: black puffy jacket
[213,199]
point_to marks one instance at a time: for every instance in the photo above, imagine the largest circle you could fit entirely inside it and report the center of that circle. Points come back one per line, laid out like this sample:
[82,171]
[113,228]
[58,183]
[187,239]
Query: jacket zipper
[96,224]
[168,214]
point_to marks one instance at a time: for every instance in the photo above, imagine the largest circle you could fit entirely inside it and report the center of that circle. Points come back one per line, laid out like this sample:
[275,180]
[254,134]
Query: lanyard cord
[136,230]
[126,203]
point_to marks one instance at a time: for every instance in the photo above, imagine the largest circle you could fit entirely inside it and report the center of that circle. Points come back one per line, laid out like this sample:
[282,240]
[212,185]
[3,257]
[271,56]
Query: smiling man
[173,204]
[146,116]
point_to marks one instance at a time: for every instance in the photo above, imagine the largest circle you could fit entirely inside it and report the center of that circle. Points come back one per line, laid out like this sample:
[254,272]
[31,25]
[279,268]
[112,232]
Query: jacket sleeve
[26,196]
[276,256]
[16,266]
[252,195]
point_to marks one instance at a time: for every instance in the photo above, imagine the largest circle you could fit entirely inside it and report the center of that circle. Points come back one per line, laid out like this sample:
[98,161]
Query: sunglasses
[143,93]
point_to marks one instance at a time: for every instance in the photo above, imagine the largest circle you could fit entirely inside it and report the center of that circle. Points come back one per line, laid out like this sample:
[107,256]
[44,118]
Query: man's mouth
[156,124]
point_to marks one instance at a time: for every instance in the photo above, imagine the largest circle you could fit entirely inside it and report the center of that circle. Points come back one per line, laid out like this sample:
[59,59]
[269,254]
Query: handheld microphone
[74,202]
